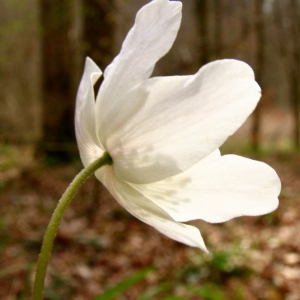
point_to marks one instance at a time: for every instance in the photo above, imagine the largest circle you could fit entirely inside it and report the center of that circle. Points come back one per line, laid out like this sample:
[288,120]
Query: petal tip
[91,69]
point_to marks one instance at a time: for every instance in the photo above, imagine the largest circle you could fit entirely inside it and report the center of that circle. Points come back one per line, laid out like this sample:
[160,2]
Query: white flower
[163,133]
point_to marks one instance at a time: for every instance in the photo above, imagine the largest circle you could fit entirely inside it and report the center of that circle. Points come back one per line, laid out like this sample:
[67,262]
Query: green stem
[50,234]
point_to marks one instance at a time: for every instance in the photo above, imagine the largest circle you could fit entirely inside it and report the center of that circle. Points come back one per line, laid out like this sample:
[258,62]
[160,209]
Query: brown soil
[99,244]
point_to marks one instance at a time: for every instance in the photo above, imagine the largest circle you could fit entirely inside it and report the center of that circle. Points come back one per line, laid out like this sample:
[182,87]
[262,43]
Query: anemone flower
[163,133]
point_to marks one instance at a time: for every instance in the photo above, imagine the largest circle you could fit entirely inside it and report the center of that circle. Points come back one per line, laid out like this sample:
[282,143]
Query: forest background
[43,44]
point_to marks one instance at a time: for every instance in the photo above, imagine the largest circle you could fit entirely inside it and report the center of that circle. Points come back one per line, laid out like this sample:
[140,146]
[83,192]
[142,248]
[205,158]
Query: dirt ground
[100,245]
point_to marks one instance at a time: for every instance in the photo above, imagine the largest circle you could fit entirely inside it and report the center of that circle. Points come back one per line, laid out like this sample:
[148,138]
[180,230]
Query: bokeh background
[43,44]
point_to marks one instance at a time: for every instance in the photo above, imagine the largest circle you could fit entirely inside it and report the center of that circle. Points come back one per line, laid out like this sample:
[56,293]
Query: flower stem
[50,234]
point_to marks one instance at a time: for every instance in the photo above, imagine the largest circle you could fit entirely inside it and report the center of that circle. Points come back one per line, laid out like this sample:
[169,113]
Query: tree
[72,29]
[259,69]
[203,13]
[217,28]
[288,45]
[61,29]
[98,30]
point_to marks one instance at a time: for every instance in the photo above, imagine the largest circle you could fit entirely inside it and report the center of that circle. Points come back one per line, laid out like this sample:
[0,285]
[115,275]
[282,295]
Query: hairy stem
[61,207]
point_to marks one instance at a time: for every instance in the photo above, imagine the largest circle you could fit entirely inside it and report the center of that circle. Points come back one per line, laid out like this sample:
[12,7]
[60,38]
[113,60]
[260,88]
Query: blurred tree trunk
[218,28]
[294,95]
[98,30]
[202,12]
[61,29]
[259,69]
[245,16]
[288,45]
[295,70]
[20,71]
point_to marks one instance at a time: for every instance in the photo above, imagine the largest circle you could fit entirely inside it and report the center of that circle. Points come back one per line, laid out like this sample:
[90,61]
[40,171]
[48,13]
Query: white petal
[151,37]
[148,212]
[216,190]
[182,120]
[88,144]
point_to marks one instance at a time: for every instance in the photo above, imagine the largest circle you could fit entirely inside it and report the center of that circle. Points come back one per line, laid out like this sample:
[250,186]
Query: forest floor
[100,246]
